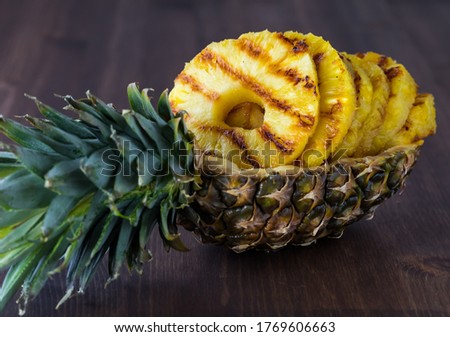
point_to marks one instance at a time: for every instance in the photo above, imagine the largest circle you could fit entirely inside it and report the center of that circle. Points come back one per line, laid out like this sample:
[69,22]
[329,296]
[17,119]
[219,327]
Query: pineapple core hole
[246,115]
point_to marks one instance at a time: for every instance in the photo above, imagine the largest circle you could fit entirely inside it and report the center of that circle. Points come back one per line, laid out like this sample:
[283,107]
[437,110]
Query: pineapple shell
[270,208]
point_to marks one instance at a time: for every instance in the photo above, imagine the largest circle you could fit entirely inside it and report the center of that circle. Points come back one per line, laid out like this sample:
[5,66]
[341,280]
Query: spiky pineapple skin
[269,209]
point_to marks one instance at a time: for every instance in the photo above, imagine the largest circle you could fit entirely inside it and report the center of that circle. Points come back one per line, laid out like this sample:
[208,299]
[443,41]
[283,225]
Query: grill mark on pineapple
[357,81]
[236,139]
[256,52]
[250,159]
[310,84]
[393,72]
[253,50]
[231,134]
[298,46]
[317,58]
[197,86]
[267,134]
[383,62]
[207,55]
[291,74]
[420,99]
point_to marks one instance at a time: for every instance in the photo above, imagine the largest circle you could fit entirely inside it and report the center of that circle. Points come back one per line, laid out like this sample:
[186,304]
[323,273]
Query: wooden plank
[397,264]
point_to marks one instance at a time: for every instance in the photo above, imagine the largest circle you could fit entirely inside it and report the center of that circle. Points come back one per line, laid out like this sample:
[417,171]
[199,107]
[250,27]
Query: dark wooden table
[397,264]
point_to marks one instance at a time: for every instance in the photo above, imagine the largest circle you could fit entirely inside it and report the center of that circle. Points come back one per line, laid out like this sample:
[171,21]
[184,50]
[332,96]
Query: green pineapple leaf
[75,190]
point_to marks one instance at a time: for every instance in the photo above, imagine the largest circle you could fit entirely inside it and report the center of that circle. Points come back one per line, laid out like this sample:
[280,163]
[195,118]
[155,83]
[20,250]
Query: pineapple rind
[268,209]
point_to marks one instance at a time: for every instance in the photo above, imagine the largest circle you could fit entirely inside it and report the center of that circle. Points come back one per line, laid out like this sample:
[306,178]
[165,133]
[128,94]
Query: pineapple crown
[74,190]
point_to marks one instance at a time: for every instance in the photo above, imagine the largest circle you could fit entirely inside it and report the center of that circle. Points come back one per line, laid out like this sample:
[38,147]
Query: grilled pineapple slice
[337,99]
[380,98]
[364,94]
[403,90]
[420,124]
[253,100]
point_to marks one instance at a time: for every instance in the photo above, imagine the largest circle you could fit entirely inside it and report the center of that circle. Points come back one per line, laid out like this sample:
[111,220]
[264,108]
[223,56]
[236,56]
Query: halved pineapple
[253,99]
[364,93]
[420,124]
[337,99]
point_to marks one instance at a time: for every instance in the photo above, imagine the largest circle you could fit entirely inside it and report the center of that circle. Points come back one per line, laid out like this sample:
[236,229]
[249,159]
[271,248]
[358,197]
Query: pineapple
[420,124]
[337,99]
[253,100]
[100,185]
[364,96]
[103,182]
[403,90]
[267,209]
[380,97]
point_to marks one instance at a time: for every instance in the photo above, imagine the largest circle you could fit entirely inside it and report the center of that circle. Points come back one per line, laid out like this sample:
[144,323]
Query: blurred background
[397,264]
[103,45]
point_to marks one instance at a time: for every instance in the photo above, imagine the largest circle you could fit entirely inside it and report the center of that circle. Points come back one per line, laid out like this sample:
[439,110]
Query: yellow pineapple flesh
[420,124]
[253,100]
[337,99]
[364,93]
[402,93]
[380,98]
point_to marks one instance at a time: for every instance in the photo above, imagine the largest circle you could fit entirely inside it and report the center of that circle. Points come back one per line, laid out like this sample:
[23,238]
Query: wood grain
[398,264]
